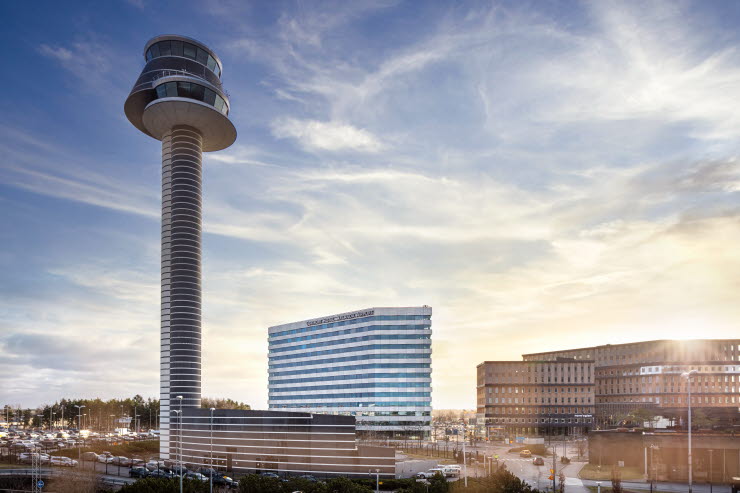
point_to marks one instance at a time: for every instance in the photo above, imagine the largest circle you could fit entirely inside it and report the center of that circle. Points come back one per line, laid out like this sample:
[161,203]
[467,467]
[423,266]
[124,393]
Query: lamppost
[79,430]
[179,436]
[687,375]
[111,422]
[210,473]
[51,408]
[652,466]
[710,470]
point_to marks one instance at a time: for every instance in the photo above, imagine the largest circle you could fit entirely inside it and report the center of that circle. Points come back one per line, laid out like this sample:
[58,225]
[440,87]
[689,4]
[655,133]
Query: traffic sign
[40,484]
[552,471]
[551,477]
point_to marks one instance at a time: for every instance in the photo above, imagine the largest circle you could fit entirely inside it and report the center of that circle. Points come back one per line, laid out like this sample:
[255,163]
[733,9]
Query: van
[451,471]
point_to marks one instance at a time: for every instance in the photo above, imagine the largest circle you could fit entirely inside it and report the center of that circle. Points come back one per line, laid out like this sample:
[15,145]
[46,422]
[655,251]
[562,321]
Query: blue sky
[543,174]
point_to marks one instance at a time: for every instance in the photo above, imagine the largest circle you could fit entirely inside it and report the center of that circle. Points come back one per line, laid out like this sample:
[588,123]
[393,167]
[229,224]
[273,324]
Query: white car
[63,461]
[105,458]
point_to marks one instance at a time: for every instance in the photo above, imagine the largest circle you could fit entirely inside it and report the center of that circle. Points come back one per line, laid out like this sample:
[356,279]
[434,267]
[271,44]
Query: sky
[544,174]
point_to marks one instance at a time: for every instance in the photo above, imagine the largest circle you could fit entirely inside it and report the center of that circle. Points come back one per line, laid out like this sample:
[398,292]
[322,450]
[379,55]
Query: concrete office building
[374,364]
[648,375]
[535,398]
[286,443]
[179,100]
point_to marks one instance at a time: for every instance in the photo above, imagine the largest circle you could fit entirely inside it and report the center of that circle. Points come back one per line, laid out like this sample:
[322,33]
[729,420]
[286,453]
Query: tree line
[98,414]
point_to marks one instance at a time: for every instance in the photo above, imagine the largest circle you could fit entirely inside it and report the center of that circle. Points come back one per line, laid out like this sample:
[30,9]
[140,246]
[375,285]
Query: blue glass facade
[374,364]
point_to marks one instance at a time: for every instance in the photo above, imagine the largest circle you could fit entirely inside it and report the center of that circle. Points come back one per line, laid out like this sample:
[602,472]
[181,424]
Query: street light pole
[79,431]
[687,375]
[210,474]
[710,470]
[179,436]
[465,461]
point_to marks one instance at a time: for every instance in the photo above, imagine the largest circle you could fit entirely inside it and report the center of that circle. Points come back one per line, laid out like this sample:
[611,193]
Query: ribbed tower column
[181,278]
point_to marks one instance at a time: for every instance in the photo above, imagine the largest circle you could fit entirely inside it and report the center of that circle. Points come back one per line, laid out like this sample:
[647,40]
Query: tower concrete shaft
[181,269]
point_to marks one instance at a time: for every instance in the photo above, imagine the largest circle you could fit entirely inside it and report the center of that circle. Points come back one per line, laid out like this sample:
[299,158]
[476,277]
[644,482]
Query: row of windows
[495,400]
[407,424]
[359,376]
[383,413]
[542,420]
[354,330]
[184,49]
[350,386]
[673,400]
[350,358]
[350,322]
[538,410]
[370,366]
[534,390]
[192,91]
[369,347]
[357,395]
[380,337]
[323,405]
[665,390]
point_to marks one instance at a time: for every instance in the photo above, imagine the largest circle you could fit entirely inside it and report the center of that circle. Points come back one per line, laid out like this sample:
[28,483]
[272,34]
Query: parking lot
[56,448]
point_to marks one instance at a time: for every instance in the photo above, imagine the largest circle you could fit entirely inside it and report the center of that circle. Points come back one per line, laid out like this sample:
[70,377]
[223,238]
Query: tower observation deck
[179,100]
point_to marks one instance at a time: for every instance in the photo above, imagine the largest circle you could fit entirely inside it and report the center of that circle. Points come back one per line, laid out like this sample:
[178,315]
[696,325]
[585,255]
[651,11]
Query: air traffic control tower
[179,100]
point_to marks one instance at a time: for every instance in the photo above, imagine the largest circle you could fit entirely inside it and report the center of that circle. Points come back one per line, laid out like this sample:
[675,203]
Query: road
[537,476]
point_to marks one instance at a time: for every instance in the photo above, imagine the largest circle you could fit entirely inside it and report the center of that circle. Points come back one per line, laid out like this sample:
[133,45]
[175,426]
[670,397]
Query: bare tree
[581,448]
[76,481]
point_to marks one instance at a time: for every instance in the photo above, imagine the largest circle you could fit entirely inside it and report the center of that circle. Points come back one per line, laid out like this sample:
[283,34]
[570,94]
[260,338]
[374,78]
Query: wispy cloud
[327,136]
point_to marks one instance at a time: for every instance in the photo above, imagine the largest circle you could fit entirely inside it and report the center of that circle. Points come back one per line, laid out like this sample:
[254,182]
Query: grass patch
[591,471]
[143,449]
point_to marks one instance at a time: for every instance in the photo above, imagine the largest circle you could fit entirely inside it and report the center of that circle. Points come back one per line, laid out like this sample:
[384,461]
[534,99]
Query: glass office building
[374,364]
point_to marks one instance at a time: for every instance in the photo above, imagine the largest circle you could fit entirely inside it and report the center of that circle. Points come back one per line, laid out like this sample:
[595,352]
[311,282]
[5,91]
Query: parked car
[161,473]
[195,475]
[308,477]
[225,481]
[430,473]
[137,463]
[121,461]
[63,461]
[89,456]
[138,472]
[539,461]
[105,457]
[270,475]
[155,464]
